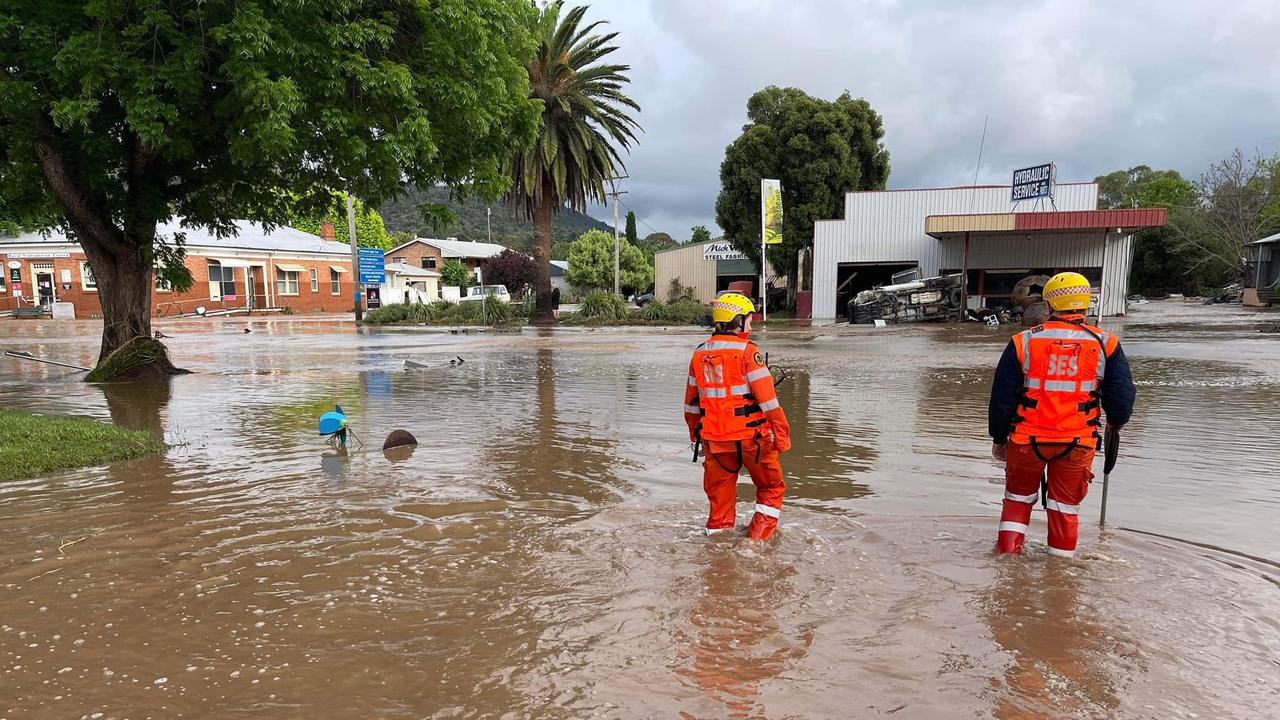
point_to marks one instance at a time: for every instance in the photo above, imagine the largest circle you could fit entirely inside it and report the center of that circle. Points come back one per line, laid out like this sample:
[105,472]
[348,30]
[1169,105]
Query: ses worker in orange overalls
[1051,387]
[731,408]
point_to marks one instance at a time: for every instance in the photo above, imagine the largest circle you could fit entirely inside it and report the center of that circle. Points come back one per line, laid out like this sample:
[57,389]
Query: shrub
[493,312]
[602,306]
[681,312]
[676,291]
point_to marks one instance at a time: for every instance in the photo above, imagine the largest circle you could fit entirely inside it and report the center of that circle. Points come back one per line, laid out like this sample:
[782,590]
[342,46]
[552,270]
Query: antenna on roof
[981,145]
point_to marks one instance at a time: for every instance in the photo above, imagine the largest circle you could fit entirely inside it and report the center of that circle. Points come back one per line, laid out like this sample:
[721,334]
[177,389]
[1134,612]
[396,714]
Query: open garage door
[853,278]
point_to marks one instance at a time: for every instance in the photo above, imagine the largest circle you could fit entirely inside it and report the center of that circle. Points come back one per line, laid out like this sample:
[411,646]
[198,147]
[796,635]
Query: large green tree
[632,236]
[591,264]
[700,235]
[371,232]
[120,114]
[819,149]
[585,121]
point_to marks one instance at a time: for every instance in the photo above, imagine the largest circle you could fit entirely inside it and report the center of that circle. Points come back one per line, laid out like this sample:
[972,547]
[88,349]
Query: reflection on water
[537,555]
[1057,646]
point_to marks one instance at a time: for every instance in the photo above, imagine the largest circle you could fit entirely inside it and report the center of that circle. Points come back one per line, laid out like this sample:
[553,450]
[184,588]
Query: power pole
[355,252]
[488,222]
[613,183]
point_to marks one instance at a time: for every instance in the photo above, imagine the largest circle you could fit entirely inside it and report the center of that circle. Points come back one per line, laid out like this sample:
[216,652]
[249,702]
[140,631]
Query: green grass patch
[32,445]
[654,314]
[494,312]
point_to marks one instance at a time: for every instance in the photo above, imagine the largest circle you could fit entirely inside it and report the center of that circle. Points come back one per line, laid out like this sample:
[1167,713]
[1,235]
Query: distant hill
[402,215]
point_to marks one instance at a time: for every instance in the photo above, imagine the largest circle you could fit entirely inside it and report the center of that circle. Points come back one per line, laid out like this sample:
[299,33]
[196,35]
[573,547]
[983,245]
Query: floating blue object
[332,423]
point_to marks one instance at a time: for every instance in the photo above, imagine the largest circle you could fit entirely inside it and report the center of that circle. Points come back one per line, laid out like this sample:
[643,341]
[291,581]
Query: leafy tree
[584,121]
[560,251]
[510,268]
[701,235]
[454,273]
[120,114]
[1122,188]
[397,238]
[591,264]
[654,242]
[631,228]
[819,149]
[370,231]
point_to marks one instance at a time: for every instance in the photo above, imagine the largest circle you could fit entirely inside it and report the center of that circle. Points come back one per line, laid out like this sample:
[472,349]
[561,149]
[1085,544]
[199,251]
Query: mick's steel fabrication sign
[1033,182]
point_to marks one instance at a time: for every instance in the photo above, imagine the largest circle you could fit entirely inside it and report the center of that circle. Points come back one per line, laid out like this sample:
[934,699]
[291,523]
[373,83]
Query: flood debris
[22,355]
[399,438]
[141,357]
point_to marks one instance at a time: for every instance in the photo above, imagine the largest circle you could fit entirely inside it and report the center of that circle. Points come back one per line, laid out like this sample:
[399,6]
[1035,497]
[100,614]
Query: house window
[315,280]
[429,263]
[397,260]
[286,282]
[87,280]
[335,282]
[222,281]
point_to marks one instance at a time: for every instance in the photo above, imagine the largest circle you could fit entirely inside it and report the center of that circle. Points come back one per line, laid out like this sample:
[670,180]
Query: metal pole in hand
[1111,449]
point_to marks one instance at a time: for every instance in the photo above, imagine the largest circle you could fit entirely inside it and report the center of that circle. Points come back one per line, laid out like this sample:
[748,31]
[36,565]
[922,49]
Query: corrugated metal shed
[684,263]
[889,227]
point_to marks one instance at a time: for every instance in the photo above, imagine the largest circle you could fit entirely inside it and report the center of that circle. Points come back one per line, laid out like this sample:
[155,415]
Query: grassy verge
[494,312]
[606,310]
[32,445]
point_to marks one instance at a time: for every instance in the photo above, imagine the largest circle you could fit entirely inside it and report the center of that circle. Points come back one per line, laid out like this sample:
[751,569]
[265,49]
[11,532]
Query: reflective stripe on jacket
[1063,365]
[730,393]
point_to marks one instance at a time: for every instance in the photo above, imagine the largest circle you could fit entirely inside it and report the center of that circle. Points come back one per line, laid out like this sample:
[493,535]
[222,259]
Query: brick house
[252,270]
[431,254]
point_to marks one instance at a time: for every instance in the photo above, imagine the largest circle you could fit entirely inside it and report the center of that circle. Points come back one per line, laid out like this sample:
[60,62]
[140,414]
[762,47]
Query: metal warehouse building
[977,231]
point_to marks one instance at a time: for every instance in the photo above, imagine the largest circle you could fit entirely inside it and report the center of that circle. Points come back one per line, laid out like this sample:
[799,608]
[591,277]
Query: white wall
[888,227]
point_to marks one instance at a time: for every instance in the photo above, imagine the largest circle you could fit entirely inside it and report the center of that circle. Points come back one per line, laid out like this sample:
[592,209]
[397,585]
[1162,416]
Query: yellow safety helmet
[730,305]
[1068,291]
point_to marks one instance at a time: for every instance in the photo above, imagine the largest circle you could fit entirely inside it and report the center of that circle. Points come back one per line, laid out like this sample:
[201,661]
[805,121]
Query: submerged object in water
[399,438]
[333,426]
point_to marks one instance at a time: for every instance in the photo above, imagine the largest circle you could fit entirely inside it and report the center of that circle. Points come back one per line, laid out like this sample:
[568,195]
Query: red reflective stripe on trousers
[720,480]
[1068,484]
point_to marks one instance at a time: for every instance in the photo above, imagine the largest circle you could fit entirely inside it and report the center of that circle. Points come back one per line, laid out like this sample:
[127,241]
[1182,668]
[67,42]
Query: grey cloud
[1093,86]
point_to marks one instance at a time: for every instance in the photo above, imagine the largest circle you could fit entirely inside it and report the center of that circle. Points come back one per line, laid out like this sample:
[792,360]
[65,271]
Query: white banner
[721,251]
[38,255]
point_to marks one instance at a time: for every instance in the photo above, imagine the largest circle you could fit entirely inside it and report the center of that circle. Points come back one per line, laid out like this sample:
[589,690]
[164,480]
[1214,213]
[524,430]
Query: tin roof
[248,236]
[457,248]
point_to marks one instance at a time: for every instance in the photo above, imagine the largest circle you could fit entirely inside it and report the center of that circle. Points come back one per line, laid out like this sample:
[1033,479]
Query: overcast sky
[1092,86]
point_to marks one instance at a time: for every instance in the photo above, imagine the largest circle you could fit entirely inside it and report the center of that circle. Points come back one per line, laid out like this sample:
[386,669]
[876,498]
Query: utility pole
[355,252]
[488,222]
[613,183]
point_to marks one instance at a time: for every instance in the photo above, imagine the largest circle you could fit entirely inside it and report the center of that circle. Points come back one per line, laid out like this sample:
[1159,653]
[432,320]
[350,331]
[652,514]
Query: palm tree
[584,123]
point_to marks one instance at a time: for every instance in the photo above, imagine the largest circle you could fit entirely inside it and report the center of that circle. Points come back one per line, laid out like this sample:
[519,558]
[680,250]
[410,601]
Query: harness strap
[745,410]
[1035,448]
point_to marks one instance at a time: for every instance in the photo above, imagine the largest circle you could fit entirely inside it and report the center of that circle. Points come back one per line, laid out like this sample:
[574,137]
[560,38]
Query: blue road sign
[373,266]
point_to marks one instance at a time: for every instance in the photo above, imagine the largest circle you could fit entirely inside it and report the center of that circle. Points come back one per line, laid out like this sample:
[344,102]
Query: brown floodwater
[538,555]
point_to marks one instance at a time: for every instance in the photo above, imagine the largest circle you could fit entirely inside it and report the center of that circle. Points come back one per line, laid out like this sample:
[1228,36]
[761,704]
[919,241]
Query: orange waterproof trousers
[723,462]
[1069,476]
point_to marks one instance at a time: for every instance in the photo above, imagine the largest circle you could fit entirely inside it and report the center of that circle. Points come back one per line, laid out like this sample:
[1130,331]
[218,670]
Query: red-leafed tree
[510,268]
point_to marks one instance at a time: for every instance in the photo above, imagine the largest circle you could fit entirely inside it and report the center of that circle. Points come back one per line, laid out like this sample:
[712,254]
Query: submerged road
[538,556]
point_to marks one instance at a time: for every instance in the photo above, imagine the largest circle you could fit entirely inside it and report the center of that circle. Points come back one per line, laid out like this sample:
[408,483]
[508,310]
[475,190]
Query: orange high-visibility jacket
[1063,364]
[730,393]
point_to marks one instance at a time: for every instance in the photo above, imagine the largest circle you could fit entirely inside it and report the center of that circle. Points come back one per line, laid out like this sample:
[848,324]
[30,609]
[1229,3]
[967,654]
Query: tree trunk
[124,288]
[542,254]
[121,259]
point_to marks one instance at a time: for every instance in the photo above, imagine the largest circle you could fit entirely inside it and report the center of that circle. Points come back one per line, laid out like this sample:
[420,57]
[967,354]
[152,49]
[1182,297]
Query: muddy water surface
[537,554]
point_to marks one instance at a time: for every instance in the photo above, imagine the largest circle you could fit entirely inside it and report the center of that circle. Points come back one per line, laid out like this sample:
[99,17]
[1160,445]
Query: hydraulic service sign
[372,266]
[1033,182]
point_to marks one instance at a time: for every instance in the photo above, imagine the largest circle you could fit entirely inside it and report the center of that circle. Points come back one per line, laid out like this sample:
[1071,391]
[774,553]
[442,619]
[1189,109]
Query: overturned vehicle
[929,299]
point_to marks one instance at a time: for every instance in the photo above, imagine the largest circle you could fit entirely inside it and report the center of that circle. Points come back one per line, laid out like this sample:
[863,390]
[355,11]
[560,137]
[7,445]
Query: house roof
[559,267]
[406,269]
[248,236]
[1268,240]
[457,248]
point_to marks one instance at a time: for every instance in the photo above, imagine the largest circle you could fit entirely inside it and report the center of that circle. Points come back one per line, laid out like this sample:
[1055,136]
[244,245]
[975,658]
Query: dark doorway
[853,278]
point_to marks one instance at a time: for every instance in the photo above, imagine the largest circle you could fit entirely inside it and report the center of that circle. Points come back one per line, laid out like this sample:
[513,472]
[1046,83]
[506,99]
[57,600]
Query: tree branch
[88,221]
